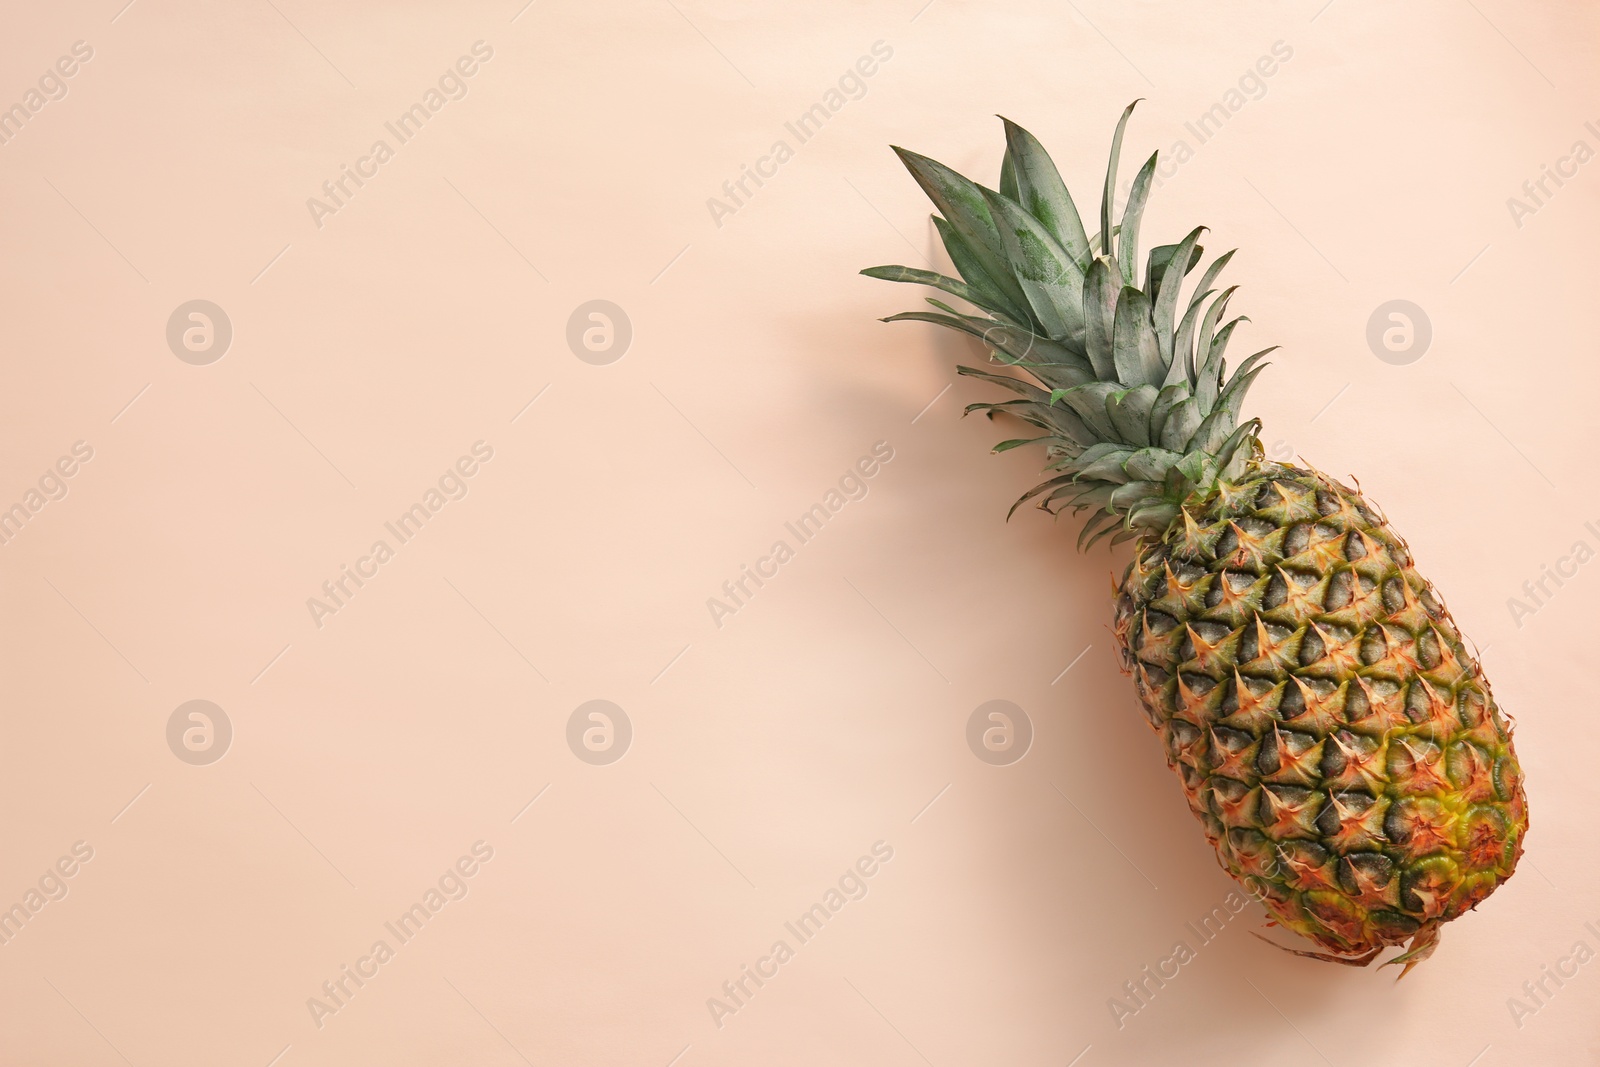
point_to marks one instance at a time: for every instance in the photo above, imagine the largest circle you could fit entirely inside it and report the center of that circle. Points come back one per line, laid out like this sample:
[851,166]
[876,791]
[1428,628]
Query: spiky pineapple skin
[1333,734]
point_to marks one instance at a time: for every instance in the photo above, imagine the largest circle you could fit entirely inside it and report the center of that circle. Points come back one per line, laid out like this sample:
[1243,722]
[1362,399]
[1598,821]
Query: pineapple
[1330,728]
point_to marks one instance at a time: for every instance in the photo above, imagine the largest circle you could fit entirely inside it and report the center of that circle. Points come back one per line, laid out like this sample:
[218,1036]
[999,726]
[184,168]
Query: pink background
[829,713]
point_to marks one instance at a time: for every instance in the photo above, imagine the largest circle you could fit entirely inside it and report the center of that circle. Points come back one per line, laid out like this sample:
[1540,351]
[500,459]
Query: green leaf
[1129,412]
[1060,421]
[1107,468]
[974,319]
[1042,192]
[1161,257]
[962,204]
[1027,411]
[1095,495]
[1108,199]
[1150,515]
[1177,485]
[1169,398]
[1125,496]
[967,265]
[1095,242]
[1008,179]
[1089,401]
[1056,375]
[1151,464]
[1006,446]
[1133,341]
[1099,451]
[1049,361]
[1088,535]
[1181,369]
[1100,287]
[1202,342]
[953,286]
[1080,494]
[1064,479]
[1210,382]
[1219,426]
[1234,456]
[1230,447]
[1016,385]
[1050,279]
[1212,271]
[1165,310]
[1075,427]
[1212,432]
[1128,240]
[1181,425]
[1022,347]
[994,334]
[1194,467]
[1232,396]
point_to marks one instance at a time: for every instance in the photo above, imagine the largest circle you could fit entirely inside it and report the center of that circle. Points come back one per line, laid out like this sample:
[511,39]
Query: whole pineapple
[1333,734]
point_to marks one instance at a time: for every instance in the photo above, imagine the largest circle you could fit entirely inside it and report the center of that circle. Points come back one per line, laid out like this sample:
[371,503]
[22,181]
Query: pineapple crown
[1137,409]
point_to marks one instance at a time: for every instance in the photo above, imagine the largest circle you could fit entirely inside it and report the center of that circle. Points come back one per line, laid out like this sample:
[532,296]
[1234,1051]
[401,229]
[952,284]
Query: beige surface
[770,754]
